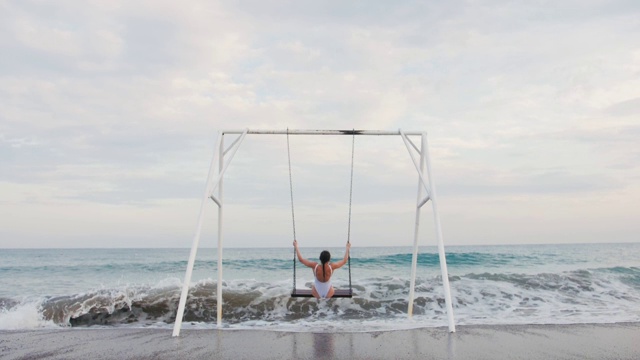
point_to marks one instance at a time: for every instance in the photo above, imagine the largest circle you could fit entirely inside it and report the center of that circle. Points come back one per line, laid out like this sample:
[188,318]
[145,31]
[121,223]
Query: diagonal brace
[233,148]
[408,143]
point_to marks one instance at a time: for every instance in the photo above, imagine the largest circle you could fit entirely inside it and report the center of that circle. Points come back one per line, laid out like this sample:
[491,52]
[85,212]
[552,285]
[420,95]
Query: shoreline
[577,341]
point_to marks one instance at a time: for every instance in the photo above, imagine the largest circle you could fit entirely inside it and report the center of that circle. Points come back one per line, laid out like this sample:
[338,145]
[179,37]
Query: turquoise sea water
[519,284]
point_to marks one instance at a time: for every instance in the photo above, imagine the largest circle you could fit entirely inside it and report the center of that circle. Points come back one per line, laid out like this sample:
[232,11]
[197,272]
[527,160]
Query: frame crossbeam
[319,132]
[424,201]
[215,200]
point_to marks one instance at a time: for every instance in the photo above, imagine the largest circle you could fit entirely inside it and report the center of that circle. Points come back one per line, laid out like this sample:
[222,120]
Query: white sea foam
[24,316]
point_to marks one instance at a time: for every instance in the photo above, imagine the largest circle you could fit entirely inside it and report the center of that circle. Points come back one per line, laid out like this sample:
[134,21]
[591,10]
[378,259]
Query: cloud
[111,109]
[629,107]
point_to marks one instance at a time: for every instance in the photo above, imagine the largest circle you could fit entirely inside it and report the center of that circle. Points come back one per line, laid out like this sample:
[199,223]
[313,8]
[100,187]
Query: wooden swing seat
[306,293]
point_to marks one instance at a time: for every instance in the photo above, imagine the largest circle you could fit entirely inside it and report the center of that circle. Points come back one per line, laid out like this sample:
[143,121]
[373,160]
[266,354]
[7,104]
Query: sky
[109,114]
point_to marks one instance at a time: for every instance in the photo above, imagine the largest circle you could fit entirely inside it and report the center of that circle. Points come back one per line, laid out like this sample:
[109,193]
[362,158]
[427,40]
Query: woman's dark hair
[325,256]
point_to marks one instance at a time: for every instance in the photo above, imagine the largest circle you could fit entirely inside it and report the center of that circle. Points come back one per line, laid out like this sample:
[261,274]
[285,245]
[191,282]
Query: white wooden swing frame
[214,182]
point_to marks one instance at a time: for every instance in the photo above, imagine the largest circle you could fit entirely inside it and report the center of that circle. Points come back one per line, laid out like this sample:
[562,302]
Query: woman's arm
[339,264]
[303,260]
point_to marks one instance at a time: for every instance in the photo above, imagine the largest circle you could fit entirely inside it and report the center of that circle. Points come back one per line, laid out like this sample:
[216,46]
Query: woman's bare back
[328,271]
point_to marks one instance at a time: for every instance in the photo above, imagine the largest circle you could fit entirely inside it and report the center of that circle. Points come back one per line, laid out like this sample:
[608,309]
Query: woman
[322,272]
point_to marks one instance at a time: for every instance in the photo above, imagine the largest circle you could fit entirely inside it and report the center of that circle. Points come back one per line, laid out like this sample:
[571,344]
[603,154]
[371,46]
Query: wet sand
[584,341]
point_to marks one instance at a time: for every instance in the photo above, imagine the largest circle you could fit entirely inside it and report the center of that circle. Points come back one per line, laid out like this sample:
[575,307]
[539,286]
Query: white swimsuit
[322,287]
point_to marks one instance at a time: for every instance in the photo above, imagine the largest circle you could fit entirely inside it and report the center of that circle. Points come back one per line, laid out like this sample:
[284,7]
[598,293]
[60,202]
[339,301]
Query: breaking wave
[581,296]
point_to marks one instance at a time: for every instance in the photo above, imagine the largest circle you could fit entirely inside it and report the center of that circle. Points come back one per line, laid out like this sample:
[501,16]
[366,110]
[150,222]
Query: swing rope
[293,214]
[293,217]
[353,143]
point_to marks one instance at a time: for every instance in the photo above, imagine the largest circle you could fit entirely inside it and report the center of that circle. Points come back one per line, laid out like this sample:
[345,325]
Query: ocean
[514,284]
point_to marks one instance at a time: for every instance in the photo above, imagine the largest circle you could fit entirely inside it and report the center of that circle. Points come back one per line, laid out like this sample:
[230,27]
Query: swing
[338,293]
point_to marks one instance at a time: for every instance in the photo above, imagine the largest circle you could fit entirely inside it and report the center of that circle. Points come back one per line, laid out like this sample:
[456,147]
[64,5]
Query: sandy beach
[584,341]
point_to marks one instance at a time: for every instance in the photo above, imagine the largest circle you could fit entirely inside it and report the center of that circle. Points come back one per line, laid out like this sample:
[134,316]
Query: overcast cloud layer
[109,113]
